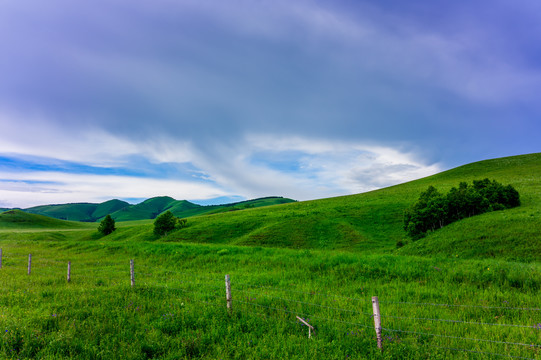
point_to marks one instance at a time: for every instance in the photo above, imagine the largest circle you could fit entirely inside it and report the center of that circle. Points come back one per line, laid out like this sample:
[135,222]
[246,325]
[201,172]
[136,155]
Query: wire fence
[284,304]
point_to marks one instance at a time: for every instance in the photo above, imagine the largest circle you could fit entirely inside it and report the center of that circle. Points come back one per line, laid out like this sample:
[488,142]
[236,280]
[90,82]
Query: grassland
[322,260]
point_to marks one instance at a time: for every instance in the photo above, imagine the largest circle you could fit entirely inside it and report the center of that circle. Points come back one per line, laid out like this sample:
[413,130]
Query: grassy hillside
[108,207]
[19,220]
[148,209]
[373,221]
[74,212]
[151,208]
[78,211]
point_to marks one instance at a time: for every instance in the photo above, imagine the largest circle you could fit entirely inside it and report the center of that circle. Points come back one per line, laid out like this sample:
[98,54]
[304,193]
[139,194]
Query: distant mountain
[151,208]
[78,211]
[148,209]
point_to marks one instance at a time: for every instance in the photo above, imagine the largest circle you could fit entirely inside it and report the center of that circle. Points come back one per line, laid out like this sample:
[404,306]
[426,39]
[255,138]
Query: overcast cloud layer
[240,99]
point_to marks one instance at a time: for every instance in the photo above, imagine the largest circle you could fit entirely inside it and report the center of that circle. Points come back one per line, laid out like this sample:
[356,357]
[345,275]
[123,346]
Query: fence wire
[109,268]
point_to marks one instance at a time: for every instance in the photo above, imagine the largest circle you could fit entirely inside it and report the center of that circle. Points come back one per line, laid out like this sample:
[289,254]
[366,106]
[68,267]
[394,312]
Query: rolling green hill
[20,220]
[153,207]
[148,209]
[369,222]
[78,211]
[373,221]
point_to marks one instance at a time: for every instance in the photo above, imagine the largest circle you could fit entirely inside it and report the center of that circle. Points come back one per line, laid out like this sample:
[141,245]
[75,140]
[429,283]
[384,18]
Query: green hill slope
[148,209]
[20,220]
[153,207]
[370,222]
[88,212]
[74,212]
[373,221]
[108,207]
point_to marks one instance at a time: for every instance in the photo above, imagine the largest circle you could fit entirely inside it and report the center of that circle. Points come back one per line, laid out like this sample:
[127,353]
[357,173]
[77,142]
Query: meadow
[468,291]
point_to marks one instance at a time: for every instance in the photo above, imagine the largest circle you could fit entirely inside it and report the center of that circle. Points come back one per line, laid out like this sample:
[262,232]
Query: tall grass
[177,309]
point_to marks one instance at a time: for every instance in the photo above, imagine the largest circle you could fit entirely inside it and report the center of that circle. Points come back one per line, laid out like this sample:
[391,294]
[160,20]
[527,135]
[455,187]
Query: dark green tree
[434,210]
[107,225]
[165,223]
[426,214]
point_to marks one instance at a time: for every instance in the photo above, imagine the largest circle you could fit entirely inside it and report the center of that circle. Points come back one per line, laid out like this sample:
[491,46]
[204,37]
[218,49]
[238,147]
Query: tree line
[434,210]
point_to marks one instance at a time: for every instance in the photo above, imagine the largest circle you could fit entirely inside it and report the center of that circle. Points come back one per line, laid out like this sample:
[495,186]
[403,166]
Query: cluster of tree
[167,222]
[434,210]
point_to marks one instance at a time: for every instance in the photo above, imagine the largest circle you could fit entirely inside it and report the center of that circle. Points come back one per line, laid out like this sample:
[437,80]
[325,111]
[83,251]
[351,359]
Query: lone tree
[107,225]
[164,223]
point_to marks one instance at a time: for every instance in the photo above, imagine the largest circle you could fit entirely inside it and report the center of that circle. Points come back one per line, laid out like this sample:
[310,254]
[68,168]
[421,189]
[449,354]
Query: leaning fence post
[310,327]
[228,292]
[132,272]
[377,320]
[69,271]
[29,263]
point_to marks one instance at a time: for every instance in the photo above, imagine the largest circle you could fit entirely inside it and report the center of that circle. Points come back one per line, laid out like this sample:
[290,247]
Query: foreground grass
[177,309]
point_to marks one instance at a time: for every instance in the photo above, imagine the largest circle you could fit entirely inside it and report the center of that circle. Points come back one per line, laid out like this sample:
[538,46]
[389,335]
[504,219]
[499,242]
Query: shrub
[182,223]
[164,223]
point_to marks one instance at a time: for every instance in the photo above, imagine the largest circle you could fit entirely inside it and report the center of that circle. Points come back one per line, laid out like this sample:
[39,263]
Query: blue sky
[203,100]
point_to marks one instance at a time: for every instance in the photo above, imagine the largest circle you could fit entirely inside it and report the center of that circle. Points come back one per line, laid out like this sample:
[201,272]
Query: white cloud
[32,135]
[327,167]
[323,168]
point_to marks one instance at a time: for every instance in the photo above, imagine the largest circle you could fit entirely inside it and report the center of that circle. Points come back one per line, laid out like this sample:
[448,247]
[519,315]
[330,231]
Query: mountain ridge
[148,209]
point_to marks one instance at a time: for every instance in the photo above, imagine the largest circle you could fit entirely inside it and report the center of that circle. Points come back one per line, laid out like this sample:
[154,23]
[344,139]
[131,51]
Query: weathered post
[132,273]
[69,271]
[310,327]
[29,263]
[228,292]
[377,320]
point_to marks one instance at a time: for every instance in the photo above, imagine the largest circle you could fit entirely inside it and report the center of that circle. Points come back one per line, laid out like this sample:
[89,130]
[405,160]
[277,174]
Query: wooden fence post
[377,320]
[228,292]
[132,273]
[29,263]
[69,271]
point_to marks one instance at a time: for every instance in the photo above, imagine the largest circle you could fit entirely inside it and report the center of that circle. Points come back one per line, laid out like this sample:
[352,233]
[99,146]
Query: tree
[164,223]
[107,225]
[428,214]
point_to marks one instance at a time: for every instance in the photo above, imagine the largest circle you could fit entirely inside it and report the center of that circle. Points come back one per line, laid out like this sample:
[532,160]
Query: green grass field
[468,291]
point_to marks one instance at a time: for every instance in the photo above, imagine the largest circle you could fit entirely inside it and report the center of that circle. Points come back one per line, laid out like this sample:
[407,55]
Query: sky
[218,101]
